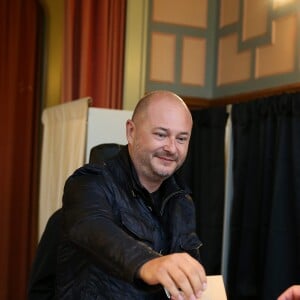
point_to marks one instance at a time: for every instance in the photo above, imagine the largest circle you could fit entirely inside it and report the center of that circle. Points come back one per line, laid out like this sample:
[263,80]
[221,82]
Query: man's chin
[164,173]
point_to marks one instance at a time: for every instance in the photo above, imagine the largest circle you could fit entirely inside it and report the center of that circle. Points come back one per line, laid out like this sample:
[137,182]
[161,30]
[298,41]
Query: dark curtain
[19,143]
[204,171]
[264,256]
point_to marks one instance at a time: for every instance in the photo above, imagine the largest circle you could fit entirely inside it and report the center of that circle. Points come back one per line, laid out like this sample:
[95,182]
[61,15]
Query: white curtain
[63,150]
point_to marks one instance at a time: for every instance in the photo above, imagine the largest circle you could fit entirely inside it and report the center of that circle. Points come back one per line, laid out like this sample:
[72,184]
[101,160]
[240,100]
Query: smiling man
[158,137]
[129,223]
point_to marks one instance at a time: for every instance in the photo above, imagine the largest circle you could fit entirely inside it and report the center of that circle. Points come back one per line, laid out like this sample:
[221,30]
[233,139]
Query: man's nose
[170,145]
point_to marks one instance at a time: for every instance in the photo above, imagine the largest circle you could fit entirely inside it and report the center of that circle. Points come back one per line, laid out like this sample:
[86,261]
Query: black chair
[43,273]
[104,151]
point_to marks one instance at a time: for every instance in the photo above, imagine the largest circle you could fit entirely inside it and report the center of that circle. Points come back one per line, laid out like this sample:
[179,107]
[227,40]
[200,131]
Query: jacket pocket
[137,227]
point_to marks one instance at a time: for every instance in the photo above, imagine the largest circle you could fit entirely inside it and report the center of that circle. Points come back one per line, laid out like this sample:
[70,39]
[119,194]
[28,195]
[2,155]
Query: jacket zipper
[167,199]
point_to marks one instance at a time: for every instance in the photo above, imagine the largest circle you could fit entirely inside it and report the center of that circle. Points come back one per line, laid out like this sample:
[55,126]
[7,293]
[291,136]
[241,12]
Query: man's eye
[160,135]
[182,139]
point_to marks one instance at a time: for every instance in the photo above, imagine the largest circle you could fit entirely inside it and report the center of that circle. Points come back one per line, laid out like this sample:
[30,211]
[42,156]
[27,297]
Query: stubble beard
[157,170]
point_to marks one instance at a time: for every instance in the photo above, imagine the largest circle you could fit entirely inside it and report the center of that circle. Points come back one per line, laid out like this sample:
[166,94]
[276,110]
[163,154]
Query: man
[129,223]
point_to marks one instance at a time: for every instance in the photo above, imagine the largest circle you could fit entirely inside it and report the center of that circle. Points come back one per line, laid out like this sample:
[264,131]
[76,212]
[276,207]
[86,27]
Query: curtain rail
[201,103]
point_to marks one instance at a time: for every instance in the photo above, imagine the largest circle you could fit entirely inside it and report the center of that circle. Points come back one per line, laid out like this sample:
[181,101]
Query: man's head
[158,137]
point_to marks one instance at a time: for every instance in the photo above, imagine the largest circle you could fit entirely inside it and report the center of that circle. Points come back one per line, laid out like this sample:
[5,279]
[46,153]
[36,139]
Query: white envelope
[215,289]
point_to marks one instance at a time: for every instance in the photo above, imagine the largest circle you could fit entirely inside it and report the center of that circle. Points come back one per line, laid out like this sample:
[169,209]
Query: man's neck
[151,186]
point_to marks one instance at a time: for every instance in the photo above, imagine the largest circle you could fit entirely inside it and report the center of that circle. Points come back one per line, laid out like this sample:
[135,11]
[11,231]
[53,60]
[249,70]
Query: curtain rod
[201,103]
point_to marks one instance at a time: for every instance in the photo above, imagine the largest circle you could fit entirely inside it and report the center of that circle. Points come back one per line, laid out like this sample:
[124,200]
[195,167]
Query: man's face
[159,141]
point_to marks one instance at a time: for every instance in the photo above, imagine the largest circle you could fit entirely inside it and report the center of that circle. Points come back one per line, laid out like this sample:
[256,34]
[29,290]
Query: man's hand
[292,293]
[179,273]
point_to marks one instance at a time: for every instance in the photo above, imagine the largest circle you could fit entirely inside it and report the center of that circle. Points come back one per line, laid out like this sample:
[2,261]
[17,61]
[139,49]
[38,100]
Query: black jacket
[112,226]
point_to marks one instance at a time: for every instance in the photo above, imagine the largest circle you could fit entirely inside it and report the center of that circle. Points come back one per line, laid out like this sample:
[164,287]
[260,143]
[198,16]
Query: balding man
[129,223]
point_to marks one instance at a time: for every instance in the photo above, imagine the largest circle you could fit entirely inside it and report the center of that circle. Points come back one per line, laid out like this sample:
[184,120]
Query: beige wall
[54,11]
[135,52]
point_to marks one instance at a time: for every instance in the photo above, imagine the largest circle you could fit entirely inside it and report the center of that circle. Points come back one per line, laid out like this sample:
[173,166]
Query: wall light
[279,3]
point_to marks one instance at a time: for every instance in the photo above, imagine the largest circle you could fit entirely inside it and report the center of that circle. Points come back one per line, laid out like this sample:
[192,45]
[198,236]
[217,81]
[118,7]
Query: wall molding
[203,103]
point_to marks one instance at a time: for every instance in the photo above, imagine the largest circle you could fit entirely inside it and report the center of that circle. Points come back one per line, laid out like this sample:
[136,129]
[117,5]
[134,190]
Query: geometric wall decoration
[162,57]
[229,12]
[255,13]
[233,66]
[213,49]
[178,37]
[181,12]
[258,47]
[193,61]
[279,57]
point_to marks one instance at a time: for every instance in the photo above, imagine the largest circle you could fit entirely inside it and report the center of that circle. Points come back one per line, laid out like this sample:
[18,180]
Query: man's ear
[130,129]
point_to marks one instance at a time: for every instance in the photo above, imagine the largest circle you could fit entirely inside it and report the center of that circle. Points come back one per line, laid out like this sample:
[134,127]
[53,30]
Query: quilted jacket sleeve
[91,224]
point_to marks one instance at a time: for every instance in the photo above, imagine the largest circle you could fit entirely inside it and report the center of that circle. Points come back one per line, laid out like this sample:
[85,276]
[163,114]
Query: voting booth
[70,131]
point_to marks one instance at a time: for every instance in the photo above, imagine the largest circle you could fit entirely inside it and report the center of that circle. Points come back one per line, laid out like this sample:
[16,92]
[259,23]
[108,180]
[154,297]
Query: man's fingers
[195,273]
[185,276]
[180,285]
[179,273]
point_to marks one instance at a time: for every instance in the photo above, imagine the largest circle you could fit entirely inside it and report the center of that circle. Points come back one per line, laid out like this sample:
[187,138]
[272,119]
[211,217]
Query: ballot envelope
[215,288]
